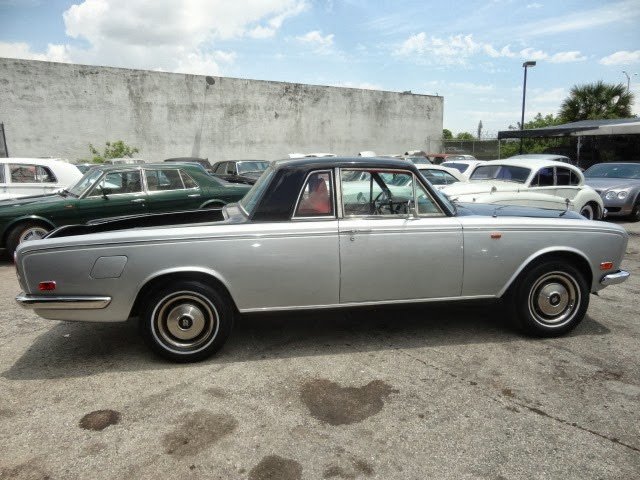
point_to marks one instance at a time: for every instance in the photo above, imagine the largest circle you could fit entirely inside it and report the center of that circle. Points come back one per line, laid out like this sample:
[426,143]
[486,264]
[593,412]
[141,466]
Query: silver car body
[620,192]
[311,263]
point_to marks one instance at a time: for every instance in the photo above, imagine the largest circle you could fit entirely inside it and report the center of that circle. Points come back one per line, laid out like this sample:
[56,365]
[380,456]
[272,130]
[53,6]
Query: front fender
[25,218]
[538,254]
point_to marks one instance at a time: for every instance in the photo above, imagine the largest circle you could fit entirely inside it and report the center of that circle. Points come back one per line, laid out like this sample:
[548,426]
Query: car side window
[231,168]
[187,180]
[383,193]
[1,173]
[220,167]
[161,180]
[565,176]
[23,173]
[114,183]
[316,198]
[438,177]
[544,178]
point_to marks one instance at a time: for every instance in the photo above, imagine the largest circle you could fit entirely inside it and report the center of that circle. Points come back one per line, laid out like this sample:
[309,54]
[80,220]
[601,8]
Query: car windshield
[613,170]
[246,167]
[506,173]
[461,167]
[85,182]
[250,200]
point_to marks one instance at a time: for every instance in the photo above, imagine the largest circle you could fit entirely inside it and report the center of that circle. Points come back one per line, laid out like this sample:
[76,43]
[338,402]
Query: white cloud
[163,34]
[534,5]
[454,50]
[554,95]
[533,54]
[471,87]
[622,57]
[321,44]
[567,57]
[54,53]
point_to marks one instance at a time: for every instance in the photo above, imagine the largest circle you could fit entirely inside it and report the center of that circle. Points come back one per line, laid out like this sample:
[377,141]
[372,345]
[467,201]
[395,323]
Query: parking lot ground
[390,393]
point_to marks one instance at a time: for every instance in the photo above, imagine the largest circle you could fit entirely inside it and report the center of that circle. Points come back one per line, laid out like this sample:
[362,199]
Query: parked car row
[113,191]
[312,233]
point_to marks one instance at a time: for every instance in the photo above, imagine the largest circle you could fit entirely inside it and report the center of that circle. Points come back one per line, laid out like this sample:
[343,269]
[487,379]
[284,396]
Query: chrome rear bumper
[37,302]
[614,278]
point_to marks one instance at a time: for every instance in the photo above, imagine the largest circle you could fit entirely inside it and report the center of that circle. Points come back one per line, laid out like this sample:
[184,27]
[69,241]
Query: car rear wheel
[550,299]
[187,321]
[23,232]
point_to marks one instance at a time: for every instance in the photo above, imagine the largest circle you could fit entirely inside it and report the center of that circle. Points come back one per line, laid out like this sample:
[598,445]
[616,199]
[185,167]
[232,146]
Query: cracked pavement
[437,391]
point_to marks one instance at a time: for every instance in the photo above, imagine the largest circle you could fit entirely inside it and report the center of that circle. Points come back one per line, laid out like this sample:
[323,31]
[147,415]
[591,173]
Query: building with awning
[616,139]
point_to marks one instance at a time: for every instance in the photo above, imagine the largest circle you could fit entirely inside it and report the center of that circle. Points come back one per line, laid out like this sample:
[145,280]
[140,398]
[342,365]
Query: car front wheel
[187,321]
[550,299]
[23,232]
[635,213]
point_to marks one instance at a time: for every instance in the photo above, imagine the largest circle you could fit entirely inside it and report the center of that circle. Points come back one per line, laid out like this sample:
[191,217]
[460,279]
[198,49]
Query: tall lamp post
[525,65]
[626,74]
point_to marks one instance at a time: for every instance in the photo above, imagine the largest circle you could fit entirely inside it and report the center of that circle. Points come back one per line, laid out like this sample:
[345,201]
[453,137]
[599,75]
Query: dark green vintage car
[114,191]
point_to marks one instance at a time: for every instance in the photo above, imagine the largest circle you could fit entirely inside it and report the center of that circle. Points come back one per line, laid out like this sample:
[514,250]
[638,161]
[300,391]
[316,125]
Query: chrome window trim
[415,197]
[183,189]
[304,184]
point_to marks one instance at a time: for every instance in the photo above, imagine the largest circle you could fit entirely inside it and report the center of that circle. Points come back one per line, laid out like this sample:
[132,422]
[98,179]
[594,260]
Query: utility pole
[525,65]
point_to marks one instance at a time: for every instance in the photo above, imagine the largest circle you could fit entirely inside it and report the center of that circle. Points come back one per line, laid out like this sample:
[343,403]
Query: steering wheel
[381,199]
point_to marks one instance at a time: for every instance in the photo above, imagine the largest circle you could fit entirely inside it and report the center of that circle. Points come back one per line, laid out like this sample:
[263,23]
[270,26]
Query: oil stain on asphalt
[330,403]
[197,431]
[359,468]
[274,467]
[99,419]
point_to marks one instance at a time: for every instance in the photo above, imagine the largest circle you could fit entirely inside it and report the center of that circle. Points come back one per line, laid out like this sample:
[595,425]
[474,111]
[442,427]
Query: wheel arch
[24,219]
[151,283]
[575,257]
[213,201]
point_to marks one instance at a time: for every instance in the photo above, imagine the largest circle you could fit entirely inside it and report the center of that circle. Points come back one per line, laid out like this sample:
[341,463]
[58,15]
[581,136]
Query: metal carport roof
[615,126]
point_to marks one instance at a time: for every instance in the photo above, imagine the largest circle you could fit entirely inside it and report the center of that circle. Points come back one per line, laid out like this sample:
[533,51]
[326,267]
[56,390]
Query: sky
[470,52]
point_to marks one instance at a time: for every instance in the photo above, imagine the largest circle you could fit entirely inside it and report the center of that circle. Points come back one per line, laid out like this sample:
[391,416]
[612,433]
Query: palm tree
[597,101]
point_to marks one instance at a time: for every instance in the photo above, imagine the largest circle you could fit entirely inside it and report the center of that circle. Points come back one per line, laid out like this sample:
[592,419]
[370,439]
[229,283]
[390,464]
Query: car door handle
[194,195]
[138,200]
[359,230]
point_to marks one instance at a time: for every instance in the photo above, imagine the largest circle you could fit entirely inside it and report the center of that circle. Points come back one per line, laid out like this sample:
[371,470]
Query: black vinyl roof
[564,129]
[332,162]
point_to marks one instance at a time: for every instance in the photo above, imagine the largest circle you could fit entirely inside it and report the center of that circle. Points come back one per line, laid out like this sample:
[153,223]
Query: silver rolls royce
[319,233]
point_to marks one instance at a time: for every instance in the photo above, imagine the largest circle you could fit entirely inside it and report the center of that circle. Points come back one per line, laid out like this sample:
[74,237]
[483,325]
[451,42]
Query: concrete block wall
[56,109]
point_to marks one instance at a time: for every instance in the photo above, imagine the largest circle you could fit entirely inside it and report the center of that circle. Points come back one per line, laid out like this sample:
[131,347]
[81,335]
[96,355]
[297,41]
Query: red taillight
[47,286]
[606,265]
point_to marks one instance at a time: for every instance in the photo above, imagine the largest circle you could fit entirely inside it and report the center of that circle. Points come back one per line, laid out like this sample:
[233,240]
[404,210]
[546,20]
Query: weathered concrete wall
[55,109]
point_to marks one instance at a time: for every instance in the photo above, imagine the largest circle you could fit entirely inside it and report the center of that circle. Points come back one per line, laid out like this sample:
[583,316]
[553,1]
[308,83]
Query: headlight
[610,195]
[623,194]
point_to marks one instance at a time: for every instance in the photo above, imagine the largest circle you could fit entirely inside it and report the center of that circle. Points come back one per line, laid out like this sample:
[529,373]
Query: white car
[538,183]
[440,176]
[541,156]
[465,167]
[21,177]
[311,155]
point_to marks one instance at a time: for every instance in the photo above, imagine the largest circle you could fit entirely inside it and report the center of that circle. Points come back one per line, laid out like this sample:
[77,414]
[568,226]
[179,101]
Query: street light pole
[628,79]
[525,65]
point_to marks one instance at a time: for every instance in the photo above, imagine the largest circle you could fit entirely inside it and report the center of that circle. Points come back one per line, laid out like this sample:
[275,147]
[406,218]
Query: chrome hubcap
[33,233]
[185,320]
[554,299]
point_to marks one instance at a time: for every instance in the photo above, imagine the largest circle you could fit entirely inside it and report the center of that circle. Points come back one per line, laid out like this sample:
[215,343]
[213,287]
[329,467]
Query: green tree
[465,136]
[446,134]
[531,145]
[595,101]
[117,149]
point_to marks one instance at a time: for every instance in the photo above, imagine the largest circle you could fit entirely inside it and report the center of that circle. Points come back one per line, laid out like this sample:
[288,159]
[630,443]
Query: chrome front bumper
[37,302]
[614,278]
